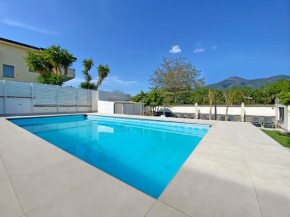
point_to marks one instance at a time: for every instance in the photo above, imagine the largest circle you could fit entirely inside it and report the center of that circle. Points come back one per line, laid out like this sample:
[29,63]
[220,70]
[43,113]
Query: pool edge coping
[138,117]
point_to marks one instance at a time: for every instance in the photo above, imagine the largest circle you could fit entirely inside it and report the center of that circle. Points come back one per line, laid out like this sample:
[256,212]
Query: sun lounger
[267,122]
[256,121]
[223,118]
[232,118]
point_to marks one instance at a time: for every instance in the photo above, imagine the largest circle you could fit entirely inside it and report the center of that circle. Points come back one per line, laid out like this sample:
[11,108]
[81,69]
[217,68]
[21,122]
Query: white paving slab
[236,170]
[9,205]
[24,160]
[103,196]
[160,209]
[3,173]
[42,186]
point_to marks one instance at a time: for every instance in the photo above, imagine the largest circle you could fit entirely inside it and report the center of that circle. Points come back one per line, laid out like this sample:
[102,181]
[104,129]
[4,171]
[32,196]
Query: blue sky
[222,38]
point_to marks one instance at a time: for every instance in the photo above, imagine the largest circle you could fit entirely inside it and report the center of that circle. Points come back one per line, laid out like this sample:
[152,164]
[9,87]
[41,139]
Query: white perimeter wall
[94,101]
[256,111]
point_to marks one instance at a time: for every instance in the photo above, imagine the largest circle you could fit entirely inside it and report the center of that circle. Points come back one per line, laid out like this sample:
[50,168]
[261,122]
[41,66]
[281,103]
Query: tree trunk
[65,71]
[215,109]
[227,113]
[99,83]
[210,112]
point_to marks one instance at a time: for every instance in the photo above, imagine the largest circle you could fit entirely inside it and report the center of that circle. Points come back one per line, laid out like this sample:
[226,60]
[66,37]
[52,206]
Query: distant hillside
[241,82]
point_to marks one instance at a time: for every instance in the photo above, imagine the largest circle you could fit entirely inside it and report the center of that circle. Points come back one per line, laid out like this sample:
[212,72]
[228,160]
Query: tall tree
[140,97]
[154,98]
[59,58]
[87,84]
[174,74]
[103,71]
[226,96]
[67,60]
[87,64]
[48,62]
[37,62]
[229,96]
[284,95]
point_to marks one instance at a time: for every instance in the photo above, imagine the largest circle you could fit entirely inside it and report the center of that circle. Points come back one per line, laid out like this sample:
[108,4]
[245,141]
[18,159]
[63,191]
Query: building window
[281,113]
[31,70]
[8,71]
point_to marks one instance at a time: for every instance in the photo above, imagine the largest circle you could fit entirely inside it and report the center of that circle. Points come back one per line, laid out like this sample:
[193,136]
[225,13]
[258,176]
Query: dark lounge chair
[232,118]
[190,116]
[256,121]
[212,117]
[181,115]
[267,122]
[223,118]
[203,116]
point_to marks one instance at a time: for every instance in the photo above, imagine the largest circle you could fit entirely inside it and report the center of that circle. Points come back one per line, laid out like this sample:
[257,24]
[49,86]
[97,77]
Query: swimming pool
[145,154]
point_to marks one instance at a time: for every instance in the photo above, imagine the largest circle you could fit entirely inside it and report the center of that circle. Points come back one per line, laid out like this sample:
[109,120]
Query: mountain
[241,82]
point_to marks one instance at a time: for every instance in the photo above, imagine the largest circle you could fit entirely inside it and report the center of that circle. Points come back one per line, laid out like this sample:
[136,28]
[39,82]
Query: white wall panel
[106,107]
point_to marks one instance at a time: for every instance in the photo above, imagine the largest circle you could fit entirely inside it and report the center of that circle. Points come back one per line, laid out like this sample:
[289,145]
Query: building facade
[12,63]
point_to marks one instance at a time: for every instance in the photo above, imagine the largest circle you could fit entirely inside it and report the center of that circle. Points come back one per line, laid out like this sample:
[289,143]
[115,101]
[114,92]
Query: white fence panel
[117,96]
[113,96]
[67,96]
[29,98]
[18,89]
[45,94]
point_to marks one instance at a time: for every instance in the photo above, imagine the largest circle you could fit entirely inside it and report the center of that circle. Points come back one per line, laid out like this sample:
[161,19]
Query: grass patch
[282,139]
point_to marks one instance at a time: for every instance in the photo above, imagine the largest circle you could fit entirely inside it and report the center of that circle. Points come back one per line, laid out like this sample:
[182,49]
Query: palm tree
[229,98]
[54,56]
[103,73]
[49,64]
[37,62]
[87,64]
[67,60]
[59,58]
[50,60]
[226,96]
[211,96]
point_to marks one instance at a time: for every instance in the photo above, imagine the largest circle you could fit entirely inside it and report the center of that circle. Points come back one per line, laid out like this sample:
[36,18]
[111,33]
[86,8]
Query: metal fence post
[91,95]
[32,99]
[77,100]
[87,100]
[57,95]
[4,86]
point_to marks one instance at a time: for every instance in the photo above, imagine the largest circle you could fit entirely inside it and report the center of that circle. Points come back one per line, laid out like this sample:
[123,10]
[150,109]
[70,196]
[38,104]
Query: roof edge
[25,45]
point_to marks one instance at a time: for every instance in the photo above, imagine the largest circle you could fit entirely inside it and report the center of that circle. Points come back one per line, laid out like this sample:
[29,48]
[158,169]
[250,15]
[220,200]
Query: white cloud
[175,49]
[214,47]
[117,81]
[199,50]
[28,27]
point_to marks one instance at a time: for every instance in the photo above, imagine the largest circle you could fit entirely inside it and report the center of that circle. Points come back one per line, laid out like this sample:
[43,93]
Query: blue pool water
[144,154]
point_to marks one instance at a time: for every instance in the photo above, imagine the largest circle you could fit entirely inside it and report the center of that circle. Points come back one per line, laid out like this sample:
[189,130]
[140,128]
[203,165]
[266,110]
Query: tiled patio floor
[236,170]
